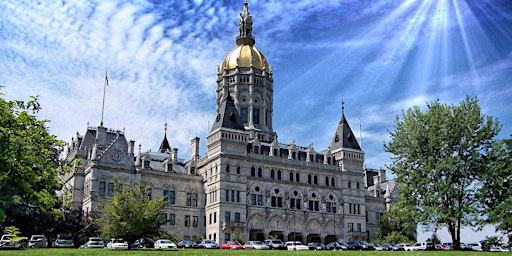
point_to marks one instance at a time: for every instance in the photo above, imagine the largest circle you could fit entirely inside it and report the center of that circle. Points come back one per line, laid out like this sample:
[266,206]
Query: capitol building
[247,182]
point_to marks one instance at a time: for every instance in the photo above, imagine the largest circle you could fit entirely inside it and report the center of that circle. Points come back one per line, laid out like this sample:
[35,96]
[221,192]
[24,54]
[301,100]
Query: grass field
[148,252]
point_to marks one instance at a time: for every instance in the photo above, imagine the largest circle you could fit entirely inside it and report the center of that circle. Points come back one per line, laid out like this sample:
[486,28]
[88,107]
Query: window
[238,170]
[227,195]
[315,180]
[171,197]
[350,227]
[227,236]
[278,174]
[291,176]
[210,218]
[256,116]
[148,193]
[146,164]
[272,174]
[227,216]
[297,177]
[244,113]
[110,191]
[189,199]
[358,227]
[227,168]
[309,178]
[101,191]
[238,196]
[215,217]
[237,217]
[232,196]
[332,182]
[187,220]
[327,181]
[195,221]
[260,172]
[253,171]
[194,199]
[172,219]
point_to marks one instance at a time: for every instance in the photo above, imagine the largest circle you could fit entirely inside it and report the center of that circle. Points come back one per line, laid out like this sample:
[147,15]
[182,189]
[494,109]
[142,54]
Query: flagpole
[104,89]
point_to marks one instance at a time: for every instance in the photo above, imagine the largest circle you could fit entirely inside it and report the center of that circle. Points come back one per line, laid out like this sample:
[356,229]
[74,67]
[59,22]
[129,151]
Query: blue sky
[379,57]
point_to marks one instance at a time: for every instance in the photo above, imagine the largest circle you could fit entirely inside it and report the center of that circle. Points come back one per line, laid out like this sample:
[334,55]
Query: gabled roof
[344,137]
[228,116]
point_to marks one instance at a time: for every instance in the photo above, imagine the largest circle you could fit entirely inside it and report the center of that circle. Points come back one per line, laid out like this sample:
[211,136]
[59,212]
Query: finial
[165,129]
[343,107]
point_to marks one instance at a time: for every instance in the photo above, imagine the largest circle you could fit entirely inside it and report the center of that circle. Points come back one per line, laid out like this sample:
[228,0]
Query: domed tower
[247,76]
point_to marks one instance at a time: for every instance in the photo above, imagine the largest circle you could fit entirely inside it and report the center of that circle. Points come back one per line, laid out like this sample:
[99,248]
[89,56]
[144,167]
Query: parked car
[164,244]
[117,243]
[143,243]
[208,244]
[412,247]
[37,241]
[93,242]
[337,246]
[275,244]
[365,246]
[499,249]
[380,247]
[256,245]
[295,246]
[231,245]
[354,245]
[6,242]
[316,246]
[64,241]
[186,244]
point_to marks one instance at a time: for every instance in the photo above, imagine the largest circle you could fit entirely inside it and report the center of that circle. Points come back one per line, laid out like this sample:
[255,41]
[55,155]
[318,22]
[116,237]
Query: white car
[164,244]
[256,245]
[117,243]
[295,246]
[412,247]
[94,242]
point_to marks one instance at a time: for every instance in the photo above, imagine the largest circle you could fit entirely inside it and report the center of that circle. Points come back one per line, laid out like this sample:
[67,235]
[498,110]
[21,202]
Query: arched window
[309,178]
[297,177]
[330,204]
[227,168]
[260,172]
[256,196]
[272,174]
[327,181]
[332,182]
[253,171]
[291,176]
[295,200]
[278,174]
[276,198]
[314,202]
[315,180]
[238,170]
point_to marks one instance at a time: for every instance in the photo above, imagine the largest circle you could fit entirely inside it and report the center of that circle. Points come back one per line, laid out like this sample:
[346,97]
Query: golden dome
[244,56]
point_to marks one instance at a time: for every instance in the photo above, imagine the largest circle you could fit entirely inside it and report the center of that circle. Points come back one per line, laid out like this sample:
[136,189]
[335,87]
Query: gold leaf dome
[245,55]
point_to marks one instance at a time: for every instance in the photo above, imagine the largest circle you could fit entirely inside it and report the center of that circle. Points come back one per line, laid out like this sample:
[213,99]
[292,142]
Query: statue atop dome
[245,27]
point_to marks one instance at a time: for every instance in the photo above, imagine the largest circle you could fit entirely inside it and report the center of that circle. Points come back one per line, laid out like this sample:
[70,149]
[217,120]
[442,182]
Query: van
[427,246]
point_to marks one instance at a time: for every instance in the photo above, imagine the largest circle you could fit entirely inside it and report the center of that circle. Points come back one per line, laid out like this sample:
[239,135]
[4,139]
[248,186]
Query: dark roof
[344,137]
[164,146]
[228,116]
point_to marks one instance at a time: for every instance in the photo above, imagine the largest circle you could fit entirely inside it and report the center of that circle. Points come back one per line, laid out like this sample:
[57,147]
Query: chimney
[131,145]
[174,155]
[194,149]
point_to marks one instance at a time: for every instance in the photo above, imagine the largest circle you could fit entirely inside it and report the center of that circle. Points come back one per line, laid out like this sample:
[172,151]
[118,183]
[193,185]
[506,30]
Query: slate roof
[228,116]
[344,137]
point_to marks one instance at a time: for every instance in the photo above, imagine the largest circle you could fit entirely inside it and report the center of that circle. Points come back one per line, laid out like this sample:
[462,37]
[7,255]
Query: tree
[438,158]
[129,214]
[400,219]
[29,160]
[495,194]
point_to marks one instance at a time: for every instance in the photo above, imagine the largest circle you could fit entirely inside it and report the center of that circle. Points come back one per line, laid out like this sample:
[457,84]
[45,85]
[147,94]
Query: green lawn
[148,252]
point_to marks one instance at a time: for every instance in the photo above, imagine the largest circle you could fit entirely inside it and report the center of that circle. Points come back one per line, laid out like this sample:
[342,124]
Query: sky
[379,57]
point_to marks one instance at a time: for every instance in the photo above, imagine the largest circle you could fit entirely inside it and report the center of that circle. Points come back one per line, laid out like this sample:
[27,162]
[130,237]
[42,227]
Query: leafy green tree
[400,219]
[29,160]
[396,237]
[15,234]
[198,237]
[129,214]
[495,194]
[438,158]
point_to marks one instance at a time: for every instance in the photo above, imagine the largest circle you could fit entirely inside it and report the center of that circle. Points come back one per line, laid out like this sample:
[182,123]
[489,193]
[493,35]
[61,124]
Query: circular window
[276,191]
[331,197]
[313,195]
[295,193]
[257,189]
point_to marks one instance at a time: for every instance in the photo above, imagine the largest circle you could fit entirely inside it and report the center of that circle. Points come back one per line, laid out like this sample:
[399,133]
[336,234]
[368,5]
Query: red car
[231,245]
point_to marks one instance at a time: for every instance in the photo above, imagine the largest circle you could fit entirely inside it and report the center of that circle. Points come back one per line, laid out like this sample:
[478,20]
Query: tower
[246,75]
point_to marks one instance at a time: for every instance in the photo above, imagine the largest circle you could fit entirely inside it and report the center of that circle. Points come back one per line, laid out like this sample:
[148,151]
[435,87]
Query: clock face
[116,155]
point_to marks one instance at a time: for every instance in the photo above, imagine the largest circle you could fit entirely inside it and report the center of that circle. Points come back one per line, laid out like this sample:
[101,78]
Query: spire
[245,27]
[228,116]
[344,137]
[164,146]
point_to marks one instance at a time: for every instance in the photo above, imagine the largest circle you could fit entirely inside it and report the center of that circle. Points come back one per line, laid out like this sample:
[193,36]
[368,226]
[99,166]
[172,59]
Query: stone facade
[248,182]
